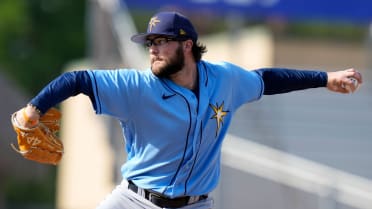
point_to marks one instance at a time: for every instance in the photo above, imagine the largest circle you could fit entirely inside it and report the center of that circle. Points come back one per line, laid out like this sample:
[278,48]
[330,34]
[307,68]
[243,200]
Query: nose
[153,49]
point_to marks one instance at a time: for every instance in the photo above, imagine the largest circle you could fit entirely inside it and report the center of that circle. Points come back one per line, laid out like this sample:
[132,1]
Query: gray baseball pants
[123,198]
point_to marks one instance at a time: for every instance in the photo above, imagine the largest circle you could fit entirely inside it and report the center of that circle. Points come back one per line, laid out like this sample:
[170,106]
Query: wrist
[33,109]
[30,115]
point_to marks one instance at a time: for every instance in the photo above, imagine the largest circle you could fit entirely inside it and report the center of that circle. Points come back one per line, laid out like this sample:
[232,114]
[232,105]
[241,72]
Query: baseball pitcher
[174,115]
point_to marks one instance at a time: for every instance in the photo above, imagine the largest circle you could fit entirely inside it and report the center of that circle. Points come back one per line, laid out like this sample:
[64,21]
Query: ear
[188,45]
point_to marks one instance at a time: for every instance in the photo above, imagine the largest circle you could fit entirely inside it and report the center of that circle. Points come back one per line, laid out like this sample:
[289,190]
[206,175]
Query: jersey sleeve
[64,86]
[281,80]
[247,86]
[114,91]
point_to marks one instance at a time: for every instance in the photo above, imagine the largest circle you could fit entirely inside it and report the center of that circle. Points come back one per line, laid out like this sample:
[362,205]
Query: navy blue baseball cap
[171,24]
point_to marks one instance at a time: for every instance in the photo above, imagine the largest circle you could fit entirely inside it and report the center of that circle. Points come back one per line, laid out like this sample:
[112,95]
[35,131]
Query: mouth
[156,59]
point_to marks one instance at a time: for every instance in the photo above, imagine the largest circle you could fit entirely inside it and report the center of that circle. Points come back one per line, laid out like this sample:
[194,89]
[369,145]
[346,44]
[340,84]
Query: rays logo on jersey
[219,114]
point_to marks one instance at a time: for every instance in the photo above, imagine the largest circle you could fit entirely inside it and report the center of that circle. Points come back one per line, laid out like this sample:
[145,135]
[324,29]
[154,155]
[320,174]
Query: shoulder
[122,75]
[221,66]
[224,68]
[118,72]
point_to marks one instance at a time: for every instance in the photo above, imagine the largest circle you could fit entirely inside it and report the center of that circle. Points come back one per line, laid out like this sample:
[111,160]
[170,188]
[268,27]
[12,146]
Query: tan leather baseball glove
[40,142]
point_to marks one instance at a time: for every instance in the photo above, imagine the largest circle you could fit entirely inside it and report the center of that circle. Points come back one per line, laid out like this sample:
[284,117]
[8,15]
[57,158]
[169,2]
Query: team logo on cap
[153,22]
[219,115]
[182,32]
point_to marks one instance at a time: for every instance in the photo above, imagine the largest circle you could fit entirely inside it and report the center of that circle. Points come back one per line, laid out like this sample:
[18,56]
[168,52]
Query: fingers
[354,74]
[350,84]
[350,81]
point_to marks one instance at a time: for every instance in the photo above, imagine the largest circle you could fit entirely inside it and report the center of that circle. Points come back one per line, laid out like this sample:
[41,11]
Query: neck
[187,77]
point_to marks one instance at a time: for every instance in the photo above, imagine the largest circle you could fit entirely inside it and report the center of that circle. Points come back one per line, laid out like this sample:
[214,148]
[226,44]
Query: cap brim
[142,37]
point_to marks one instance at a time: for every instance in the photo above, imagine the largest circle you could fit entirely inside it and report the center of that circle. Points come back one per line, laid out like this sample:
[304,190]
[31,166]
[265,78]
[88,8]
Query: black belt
[163,201]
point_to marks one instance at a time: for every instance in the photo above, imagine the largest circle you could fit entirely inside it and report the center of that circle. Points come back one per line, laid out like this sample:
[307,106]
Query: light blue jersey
[173,137]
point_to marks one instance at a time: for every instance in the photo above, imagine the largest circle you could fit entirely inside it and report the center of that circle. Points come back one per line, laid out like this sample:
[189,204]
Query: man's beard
[174,65]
